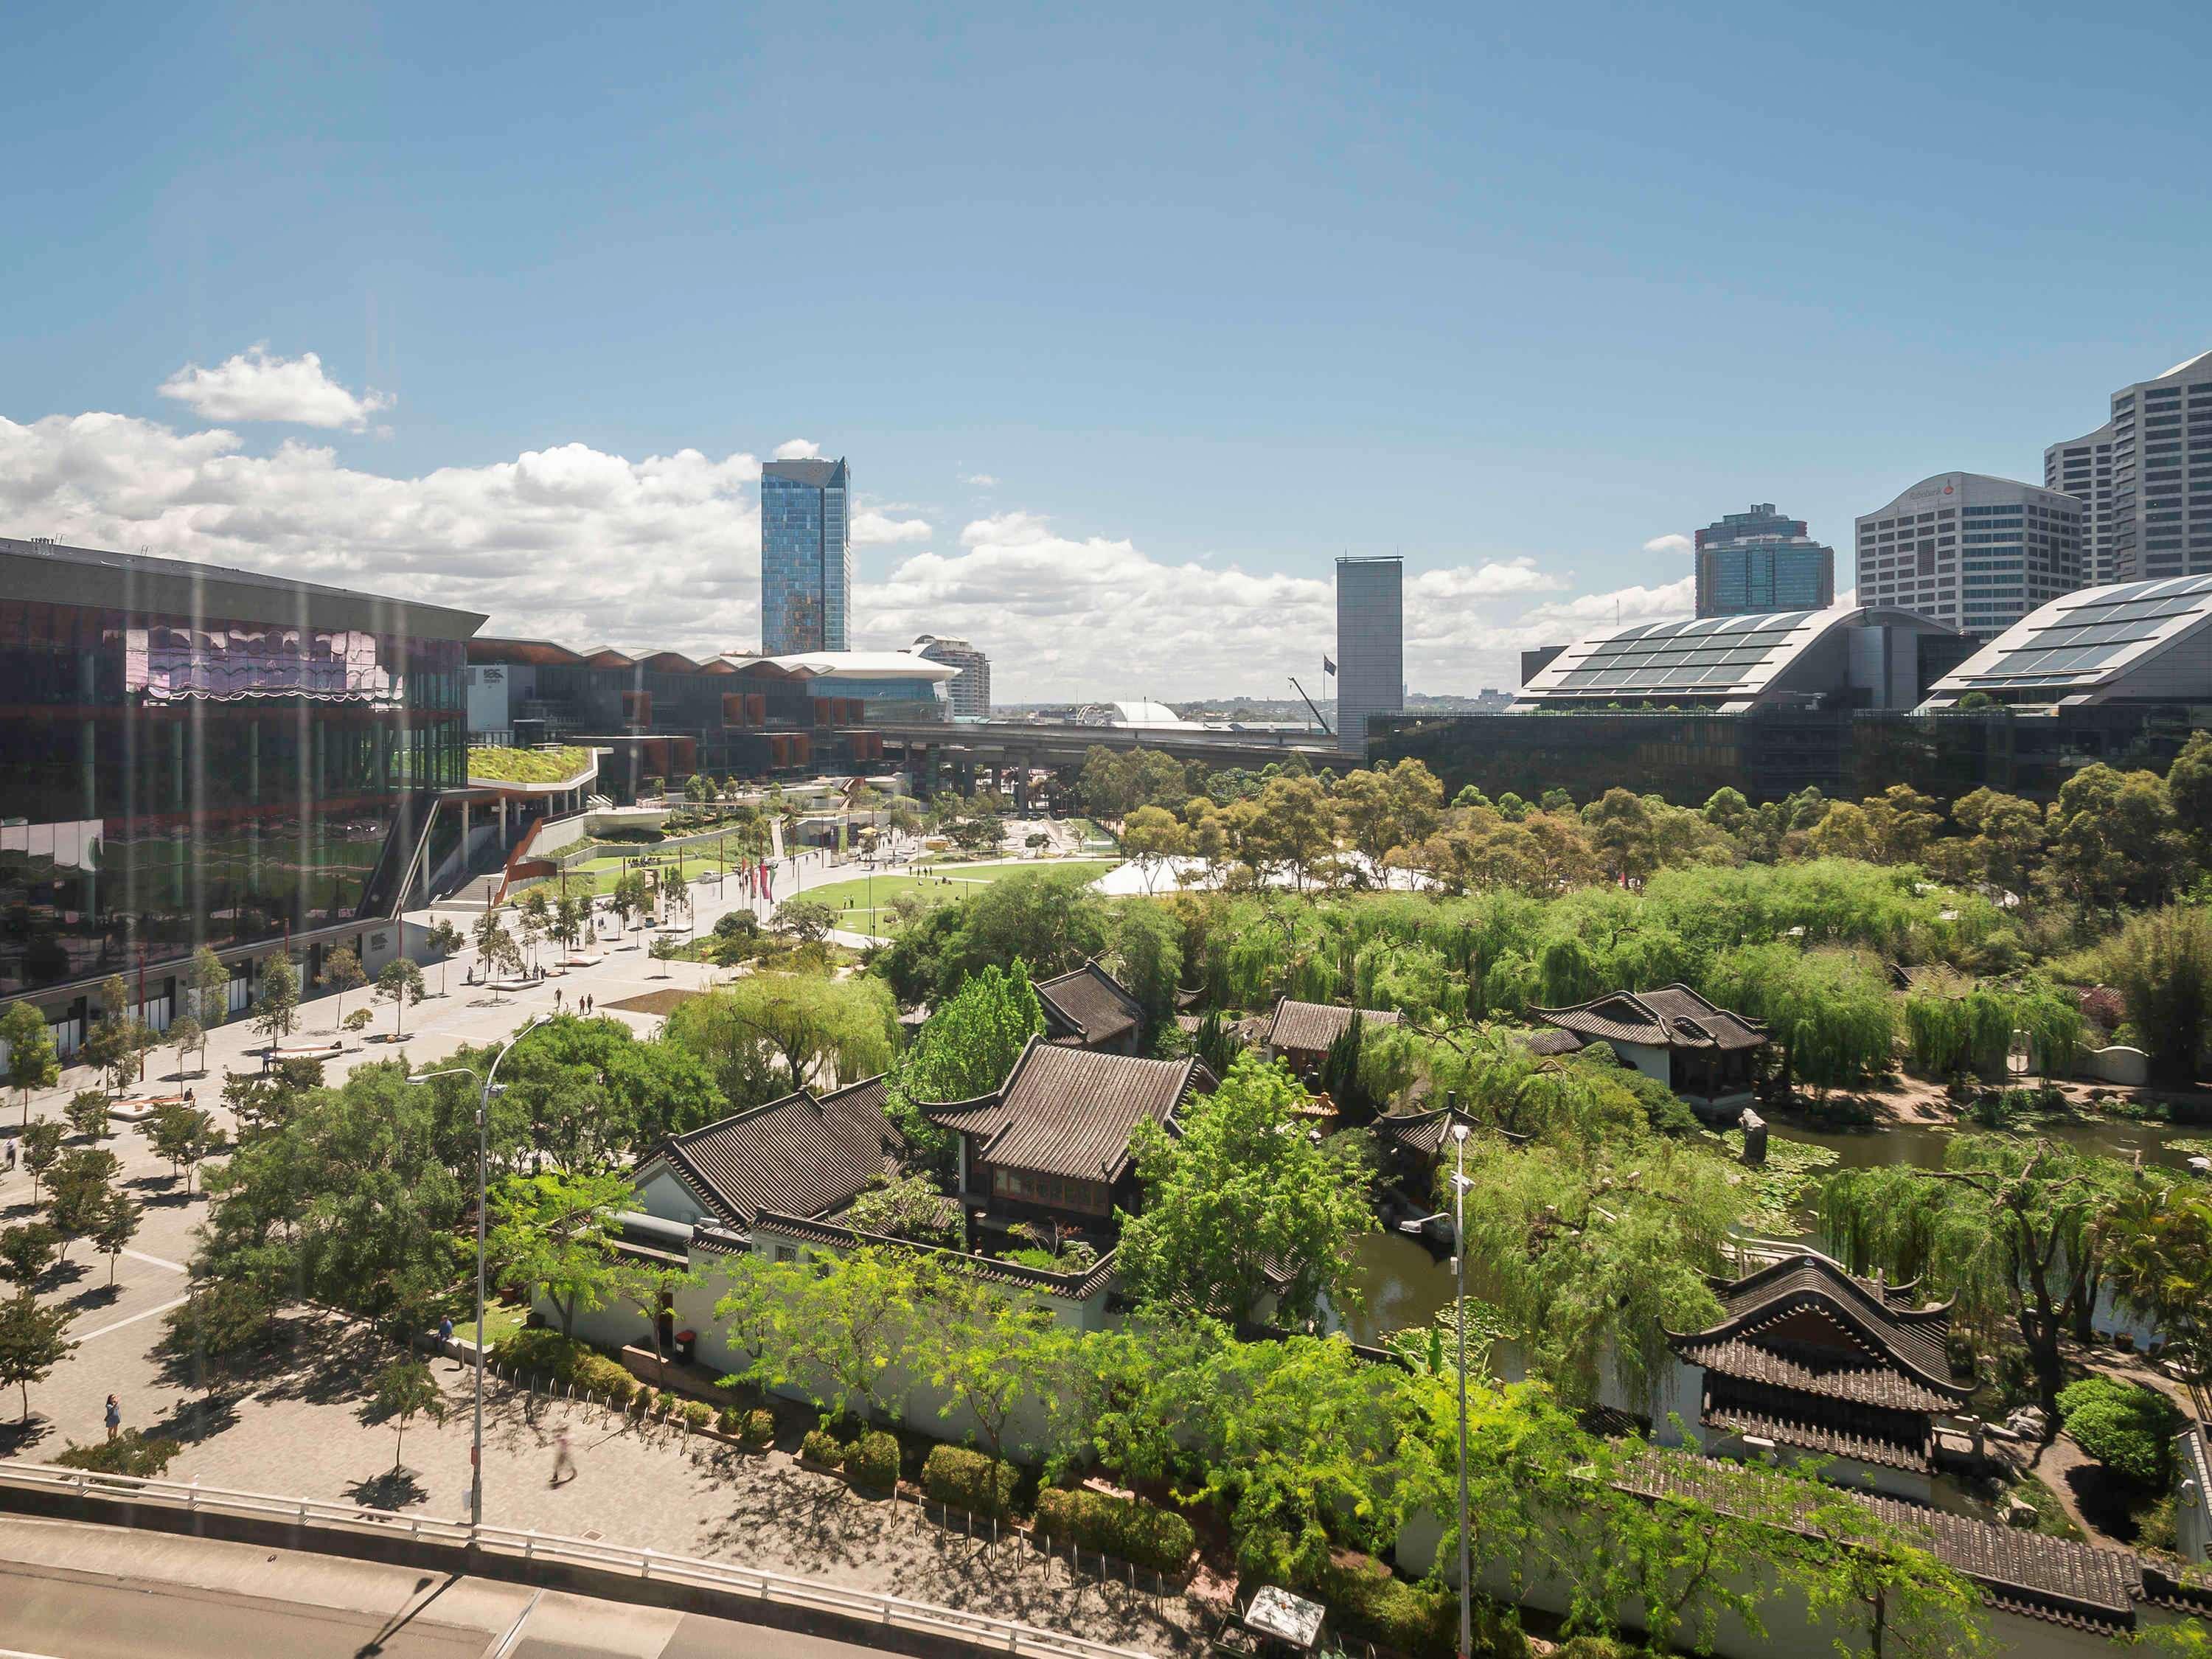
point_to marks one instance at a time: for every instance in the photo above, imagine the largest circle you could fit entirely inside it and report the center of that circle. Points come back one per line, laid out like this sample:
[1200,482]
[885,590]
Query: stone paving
[298,1426]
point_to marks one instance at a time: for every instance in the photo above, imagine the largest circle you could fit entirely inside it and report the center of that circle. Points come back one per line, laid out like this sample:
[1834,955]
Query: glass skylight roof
[2079,639]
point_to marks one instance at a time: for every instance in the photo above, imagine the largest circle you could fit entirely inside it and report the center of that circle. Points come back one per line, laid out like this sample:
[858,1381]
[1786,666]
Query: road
[92,1592]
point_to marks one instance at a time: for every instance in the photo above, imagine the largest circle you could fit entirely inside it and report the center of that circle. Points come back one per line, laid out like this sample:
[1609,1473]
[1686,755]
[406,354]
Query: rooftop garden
[527,765]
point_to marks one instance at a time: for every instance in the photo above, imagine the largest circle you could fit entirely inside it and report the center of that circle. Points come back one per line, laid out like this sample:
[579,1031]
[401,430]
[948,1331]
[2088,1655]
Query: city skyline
[540,376]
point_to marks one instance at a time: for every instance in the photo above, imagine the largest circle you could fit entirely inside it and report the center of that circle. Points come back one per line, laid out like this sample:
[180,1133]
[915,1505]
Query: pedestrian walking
[114,1416]
[564,1457]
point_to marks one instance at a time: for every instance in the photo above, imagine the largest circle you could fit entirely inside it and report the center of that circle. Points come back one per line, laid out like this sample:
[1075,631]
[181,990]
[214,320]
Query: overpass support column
[964,773]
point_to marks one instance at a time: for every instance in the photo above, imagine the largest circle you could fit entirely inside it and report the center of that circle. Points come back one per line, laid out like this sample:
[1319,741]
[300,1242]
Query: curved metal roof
[1706,660]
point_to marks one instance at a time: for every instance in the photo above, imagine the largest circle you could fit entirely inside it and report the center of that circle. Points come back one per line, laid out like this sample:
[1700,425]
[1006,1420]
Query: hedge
[547,1356]
[129,1453]
[1129,1528]
[821,1446]
[697,1414]
[1420,1619]
[757,1427]
[2129,1429]
[969,1481]
[873,1460]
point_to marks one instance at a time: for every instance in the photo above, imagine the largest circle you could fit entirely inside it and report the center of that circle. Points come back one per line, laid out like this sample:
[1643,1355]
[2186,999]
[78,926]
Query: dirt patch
[655,1002]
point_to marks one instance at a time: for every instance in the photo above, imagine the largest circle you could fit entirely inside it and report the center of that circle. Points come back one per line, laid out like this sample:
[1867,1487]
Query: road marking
[133,1320]
[505,1645]
[154,1261]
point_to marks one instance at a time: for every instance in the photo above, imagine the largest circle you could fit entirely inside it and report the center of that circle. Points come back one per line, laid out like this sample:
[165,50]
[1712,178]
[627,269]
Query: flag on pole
[1327,666]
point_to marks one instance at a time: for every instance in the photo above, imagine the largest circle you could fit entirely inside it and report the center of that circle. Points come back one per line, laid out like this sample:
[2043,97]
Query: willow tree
[2005,1229]
[1594,1251]
[1830,1011]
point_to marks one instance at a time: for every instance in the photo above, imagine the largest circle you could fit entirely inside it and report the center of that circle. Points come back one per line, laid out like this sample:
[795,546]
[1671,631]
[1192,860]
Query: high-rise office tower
[1370,644]
[806,556]
[2146,477]
[2083,469]
[1759,562]
[1975,553]
[970,691]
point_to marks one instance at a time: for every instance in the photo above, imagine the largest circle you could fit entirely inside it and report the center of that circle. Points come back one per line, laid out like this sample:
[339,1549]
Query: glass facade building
[194,755]
[1370,644]
[806,556]
[1758,560]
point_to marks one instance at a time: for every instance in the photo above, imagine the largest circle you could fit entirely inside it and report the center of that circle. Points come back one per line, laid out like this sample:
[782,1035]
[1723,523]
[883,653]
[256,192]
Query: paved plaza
[298,1425]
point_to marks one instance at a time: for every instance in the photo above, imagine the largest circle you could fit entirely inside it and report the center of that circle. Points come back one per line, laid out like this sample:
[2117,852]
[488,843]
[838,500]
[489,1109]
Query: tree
[185,1136]
[2163,967]
[404,1388]
[185,1034]
[343,972]
[32,1061]
[34,1340]
[2156,1249]
[993,1354]
[909,1207]
[445,939]
[2006,837]
[1150,835]
[2113,838]
[2189,789]
[845,1327]
[87,1113]
[114,1224]
[554,1232]
[1243,1205]
[666,950]
[2004,1228]
[216,1326]
[27,1251]
[650,1288]
[1854,1564]
[210,991]
[42,1145]
[78,1191]
[966,1048]
[495,947]
[278,1005]
[808,920]
[118,1039]
[778,1032]
[400,984]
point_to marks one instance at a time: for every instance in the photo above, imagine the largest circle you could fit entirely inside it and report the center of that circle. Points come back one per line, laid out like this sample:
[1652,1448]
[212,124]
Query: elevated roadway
[970,748]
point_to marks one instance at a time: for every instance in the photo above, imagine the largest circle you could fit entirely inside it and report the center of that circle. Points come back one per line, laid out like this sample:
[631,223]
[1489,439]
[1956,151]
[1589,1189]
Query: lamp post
[1458,1132]
[483,1203]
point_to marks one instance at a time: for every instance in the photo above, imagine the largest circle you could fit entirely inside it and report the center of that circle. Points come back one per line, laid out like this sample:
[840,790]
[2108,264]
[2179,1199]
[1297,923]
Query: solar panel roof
[2081,639]
[1704,657]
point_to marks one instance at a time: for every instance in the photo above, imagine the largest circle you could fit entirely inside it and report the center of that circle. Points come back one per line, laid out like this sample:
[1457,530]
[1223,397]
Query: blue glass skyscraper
[1754,562]
[806,557]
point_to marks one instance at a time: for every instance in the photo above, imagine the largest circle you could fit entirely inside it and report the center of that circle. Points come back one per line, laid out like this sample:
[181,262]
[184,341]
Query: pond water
[1403,1285]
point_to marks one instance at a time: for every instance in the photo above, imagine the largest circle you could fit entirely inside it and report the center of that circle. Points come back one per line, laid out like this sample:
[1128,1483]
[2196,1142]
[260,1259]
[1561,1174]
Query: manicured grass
[851,899]
[498,1320]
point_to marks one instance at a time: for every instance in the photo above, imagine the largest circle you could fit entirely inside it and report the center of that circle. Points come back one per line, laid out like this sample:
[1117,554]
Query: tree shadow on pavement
[394,1488]
[18,1437]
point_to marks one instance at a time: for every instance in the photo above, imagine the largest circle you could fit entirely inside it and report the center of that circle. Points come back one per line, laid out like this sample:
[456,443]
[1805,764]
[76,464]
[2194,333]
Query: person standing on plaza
[114,1416]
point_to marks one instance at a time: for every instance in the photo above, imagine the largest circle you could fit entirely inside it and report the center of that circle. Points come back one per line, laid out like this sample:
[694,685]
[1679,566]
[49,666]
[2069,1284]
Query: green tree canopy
[1241,1206]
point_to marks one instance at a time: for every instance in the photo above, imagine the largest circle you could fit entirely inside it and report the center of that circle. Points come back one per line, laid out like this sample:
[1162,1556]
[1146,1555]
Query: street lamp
[483,1203]
[1458,1132]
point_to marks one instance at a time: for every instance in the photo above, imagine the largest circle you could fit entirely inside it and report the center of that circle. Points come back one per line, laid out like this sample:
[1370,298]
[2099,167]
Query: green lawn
[851,899]
[499,1320]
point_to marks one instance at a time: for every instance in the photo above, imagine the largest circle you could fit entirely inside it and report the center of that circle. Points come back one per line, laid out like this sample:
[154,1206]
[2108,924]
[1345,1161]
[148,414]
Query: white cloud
[1489,581]
[1846,600]
[981,480]
[873,529]
[798,449]
[565,541]
[1670,544]
[573,544]
[256,386]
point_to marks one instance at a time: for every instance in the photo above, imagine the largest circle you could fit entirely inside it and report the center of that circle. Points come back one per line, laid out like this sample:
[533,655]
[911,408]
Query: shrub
[969,1481]
[823,1447]
[1416,1618]
[873,1460]
[1597,1647]
[129,1453]
[641,1402]
[758,1428]
[2127,1428]
[697,1414]
[1129,1528]
[544,1354]
[726,1421]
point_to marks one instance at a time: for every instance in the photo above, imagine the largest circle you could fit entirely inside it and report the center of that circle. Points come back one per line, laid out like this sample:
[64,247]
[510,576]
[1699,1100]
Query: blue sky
[1207,300]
